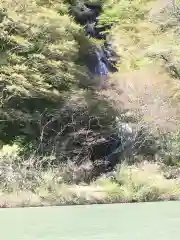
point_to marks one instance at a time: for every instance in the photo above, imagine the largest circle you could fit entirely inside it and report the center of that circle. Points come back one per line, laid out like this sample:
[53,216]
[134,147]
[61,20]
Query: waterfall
[104,59]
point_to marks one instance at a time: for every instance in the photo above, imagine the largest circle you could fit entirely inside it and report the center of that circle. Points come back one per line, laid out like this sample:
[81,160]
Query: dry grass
[23,186]
[150,92]
[134,184]
[147,182]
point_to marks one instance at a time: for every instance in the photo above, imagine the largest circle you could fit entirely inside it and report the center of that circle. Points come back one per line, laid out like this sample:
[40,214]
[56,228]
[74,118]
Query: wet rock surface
[104,59]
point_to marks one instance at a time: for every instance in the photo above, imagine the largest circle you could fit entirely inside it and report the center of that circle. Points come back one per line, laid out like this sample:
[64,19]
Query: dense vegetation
[49,124]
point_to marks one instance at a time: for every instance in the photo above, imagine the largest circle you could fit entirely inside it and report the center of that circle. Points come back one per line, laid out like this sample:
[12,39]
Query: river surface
[140,221]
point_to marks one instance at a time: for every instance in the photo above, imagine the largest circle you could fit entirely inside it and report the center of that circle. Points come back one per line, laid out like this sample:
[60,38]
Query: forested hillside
[64,138]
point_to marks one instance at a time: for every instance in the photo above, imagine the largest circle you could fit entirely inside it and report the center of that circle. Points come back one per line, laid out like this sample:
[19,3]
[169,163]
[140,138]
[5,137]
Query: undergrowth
[48,124]
[24,184]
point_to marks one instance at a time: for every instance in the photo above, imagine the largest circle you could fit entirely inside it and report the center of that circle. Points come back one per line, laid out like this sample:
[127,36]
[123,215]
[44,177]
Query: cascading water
[100,61]
[101,67]
[104,59]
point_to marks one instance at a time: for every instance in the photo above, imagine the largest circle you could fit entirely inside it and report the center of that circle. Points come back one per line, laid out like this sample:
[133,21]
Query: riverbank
[141,183]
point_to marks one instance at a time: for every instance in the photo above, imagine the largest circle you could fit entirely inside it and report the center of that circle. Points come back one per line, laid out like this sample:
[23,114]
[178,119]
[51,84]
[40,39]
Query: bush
[38,63]
[147,183]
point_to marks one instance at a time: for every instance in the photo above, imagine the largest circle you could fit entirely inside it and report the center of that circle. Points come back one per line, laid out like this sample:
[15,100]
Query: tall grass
[23,184]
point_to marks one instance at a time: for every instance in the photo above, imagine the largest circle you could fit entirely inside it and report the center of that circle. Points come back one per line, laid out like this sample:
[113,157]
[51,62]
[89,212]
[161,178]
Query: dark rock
[102,148]
[90,30]
[83,17]
[101,30]
[111,57]
[94,6]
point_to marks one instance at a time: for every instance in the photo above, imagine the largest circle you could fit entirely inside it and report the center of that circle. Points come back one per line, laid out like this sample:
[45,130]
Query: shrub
[38,62]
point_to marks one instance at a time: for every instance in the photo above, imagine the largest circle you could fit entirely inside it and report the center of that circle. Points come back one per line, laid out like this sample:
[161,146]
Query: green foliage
[170,153]
[122,12]
[145,182]
[38,66]
[144,32]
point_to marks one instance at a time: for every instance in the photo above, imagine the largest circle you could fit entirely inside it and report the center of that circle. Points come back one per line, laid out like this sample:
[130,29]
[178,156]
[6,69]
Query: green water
[144,221]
